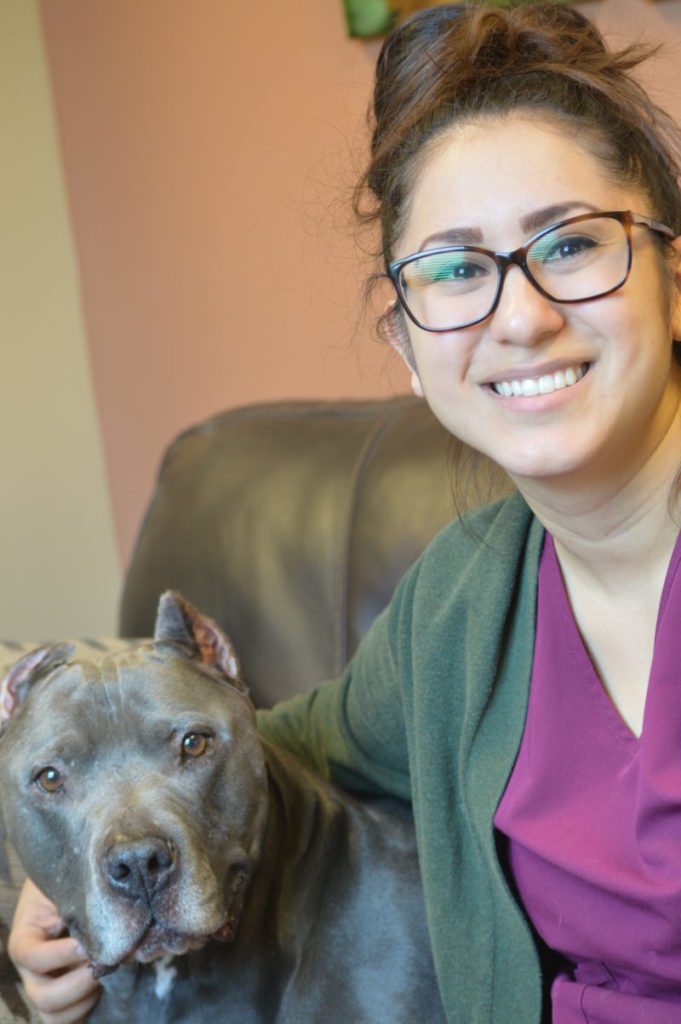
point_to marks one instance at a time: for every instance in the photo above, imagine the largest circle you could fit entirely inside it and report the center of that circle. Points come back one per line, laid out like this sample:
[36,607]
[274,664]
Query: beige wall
[58,568]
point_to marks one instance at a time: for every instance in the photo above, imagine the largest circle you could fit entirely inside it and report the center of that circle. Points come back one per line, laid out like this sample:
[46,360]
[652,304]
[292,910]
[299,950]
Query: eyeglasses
[575,260]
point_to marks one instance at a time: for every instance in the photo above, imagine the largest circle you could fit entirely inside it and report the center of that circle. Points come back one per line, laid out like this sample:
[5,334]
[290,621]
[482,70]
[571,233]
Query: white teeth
[528,387]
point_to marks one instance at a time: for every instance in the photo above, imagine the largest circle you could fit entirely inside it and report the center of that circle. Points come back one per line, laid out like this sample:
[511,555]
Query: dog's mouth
[159,940]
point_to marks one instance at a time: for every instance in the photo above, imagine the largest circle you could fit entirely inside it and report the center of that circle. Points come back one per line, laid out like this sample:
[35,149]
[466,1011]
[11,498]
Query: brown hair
[457,62]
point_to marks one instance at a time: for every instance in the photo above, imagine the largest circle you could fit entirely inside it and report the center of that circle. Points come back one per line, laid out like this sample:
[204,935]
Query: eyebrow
[531,223]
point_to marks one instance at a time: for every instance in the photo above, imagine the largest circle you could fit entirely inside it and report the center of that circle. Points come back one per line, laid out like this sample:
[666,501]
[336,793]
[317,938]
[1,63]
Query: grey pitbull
[210,875]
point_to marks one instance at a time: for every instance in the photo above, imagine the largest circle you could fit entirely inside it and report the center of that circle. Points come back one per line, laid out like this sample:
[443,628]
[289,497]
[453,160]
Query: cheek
[444,360]
[49,850]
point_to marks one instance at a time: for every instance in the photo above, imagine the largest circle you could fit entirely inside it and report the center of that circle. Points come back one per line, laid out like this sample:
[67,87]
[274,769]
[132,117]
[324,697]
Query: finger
[76,1014]
[57,995]
[30,952]
[32,901]
[35,916]
[54,926]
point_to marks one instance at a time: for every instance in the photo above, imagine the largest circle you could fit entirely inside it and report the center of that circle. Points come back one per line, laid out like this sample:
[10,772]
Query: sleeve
[353,730]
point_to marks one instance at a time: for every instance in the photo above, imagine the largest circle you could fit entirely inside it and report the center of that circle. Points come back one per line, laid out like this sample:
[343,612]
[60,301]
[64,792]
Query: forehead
[492,174]
[128,689]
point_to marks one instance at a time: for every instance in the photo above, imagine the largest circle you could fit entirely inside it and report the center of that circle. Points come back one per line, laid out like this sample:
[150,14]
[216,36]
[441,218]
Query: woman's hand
[54,970]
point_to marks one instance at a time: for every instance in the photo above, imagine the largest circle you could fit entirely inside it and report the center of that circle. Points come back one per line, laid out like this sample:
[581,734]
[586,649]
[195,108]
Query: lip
[159,940]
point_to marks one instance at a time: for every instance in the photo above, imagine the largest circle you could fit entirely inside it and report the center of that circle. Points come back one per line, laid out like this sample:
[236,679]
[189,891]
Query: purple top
[593,816]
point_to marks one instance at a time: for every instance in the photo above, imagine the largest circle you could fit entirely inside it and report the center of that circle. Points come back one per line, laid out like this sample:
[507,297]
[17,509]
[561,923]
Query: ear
[395,330]
[179,622]
[20,676]
[676,307]
[394,327]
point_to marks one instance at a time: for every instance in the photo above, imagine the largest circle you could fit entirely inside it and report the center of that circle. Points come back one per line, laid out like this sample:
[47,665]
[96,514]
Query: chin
[541,465]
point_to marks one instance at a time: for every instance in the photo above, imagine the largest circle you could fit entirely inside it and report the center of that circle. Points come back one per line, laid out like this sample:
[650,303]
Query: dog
[209,874]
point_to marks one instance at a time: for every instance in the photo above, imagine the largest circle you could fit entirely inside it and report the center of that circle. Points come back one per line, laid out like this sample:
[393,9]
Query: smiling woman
[527,192]
[489,351]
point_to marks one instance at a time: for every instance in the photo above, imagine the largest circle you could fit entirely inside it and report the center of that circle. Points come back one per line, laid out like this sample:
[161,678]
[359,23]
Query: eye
[566,247]
[450,269]
[50,780]
[196,744]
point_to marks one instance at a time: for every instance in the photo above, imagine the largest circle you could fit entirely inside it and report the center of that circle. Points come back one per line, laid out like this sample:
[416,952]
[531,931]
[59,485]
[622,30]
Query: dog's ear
[19,677]
[179,622]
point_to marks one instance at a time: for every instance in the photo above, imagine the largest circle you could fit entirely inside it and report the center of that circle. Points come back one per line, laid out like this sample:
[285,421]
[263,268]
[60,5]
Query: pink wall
[208,150]
[207,164]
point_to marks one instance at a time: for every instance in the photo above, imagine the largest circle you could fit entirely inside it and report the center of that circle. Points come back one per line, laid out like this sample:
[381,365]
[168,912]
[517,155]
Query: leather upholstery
[290,524]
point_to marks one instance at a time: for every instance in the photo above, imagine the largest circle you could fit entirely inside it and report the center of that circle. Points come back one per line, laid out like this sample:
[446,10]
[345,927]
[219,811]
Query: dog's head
[134,788]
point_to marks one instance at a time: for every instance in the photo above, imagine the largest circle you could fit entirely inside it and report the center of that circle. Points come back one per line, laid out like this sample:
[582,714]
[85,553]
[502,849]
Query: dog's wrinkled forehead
[122,691]
[138,697]
[184,638]
[145,674]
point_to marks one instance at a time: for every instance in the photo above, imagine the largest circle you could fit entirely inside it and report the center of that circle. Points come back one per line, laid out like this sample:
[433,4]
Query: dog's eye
[195,744]
[50,780]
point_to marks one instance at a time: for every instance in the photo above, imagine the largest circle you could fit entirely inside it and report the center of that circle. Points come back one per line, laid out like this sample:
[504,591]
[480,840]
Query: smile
[528,387]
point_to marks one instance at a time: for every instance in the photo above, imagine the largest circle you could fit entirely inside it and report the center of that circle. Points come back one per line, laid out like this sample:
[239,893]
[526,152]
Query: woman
[521,689]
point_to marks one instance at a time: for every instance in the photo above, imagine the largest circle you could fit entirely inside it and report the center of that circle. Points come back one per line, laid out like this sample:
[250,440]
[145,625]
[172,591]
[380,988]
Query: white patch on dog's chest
[165,976]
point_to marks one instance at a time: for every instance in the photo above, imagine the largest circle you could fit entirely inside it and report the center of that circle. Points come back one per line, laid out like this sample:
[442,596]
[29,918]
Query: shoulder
[481,571]
[463,620]
[487,543]
[482,566]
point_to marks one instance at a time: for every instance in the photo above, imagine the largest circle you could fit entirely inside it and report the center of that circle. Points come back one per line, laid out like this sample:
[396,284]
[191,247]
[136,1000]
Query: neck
[617,523]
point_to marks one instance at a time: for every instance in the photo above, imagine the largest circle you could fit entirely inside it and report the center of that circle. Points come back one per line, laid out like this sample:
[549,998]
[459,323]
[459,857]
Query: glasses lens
[580,260]
[444,290]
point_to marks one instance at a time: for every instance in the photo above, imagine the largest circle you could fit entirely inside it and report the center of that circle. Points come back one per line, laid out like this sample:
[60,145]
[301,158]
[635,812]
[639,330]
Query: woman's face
[495,183]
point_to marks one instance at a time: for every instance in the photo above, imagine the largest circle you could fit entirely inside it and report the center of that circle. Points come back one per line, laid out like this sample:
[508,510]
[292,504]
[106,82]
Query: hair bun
[462,46]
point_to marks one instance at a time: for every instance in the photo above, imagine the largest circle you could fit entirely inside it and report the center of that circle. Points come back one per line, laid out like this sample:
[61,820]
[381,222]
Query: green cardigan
[432,709]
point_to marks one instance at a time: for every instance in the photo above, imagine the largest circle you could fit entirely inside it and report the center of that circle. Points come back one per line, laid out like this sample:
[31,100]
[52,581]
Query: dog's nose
[140,867]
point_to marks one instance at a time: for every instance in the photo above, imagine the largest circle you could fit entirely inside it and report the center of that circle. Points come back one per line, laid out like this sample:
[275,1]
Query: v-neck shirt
[593,818]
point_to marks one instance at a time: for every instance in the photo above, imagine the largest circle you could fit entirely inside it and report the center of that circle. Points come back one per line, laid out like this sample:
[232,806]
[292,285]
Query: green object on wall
[370,18]
[367,18]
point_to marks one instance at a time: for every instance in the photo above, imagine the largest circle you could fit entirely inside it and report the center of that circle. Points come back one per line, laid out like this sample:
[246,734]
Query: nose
[524,316]
[138,868]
